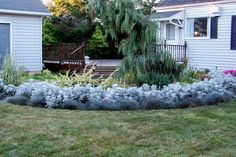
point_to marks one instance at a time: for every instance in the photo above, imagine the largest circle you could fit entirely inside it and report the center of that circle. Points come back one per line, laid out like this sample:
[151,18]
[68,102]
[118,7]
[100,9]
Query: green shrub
[152,68]
[97,44]
[43,76]
[12,74]
[192,75]
[87,77]
[49,32]
[73,79]
[66,29]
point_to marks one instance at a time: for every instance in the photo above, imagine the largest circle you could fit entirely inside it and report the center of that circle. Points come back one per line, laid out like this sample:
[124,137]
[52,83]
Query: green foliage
[69,7]
[134,33]
[12,74]
[96,44]
[147,5]
[49,33]
[98,40]
[88,77]
[66,29]
[154,68]
[106,83]
[192,75]
[69,23]
[43,76]
[130,28]
[66,79]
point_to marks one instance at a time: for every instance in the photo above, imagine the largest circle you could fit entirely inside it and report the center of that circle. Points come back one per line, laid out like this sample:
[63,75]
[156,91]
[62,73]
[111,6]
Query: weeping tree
[134,32]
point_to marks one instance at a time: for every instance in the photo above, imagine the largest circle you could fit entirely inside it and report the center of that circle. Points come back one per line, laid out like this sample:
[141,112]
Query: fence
[64,56]
[178,52]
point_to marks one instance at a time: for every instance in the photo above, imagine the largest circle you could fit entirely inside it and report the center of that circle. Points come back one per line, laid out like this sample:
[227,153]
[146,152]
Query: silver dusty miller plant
[220,88]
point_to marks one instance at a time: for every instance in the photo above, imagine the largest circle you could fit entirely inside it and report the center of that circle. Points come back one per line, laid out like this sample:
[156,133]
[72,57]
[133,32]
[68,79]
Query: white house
[21,32]
[207,26]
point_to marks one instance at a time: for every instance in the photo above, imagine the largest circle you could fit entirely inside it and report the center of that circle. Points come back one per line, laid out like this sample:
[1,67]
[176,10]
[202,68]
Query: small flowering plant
[231,72]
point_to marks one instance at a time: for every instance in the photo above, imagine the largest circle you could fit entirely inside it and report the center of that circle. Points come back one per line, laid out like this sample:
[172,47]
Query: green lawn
[206,131]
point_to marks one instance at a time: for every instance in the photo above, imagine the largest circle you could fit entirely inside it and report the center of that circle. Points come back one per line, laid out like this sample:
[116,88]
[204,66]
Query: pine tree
[96,44]
[98,40]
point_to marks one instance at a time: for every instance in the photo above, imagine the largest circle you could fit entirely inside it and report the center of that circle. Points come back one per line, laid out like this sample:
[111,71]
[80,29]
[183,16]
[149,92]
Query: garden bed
[219,89]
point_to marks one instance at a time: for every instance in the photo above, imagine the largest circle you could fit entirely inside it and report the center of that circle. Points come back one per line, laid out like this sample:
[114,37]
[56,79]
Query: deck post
[185,49]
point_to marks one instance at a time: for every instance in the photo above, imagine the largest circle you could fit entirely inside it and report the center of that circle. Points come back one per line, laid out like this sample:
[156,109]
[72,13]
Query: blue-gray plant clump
[219,89]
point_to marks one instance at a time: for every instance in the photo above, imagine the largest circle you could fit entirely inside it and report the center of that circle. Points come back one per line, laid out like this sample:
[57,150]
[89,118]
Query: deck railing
[178,52]
[64,56]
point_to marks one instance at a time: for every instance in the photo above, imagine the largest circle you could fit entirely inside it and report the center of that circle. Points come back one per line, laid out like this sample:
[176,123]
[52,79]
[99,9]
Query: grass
[205,131]
[43,76]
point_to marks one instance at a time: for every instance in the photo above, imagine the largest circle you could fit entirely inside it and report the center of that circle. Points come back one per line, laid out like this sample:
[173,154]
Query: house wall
[179,38]
[212,53]
[26,40]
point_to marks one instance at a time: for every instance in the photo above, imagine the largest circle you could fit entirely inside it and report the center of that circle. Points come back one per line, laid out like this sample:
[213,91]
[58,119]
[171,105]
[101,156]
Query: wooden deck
[71,56]
[64,57]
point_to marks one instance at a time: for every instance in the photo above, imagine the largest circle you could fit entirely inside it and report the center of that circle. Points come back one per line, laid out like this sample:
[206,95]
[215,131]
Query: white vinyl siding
[26,40]
[212,53]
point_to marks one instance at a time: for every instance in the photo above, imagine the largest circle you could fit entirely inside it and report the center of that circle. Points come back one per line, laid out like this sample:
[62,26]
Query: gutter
[181,7]
[19,12]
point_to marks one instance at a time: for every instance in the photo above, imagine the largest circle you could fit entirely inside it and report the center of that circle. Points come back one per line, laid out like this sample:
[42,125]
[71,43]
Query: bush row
[42,94]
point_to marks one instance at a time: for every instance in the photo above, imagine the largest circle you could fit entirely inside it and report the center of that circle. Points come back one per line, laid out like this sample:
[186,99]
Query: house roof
[20,6]
[166,3]
[164,14]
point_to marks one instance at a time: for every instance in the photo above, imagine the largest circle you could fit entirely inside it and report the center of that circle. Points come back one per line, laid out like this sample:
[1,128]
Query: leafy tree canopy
[70,23]
[69,7]
[148,5]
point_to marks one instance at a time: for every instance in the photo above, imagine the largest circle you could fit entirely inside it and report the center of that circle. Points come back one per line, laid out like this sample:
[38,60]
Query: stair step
[103,68]
[103,76]
[104,71]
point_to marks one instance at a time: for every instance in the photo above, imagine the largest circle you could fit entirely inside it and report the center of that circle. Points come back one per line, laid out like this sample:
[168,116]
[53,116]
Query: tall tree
[129,27]
[68,7]
[134,33]
[69,24]
[124,23]
[148,5]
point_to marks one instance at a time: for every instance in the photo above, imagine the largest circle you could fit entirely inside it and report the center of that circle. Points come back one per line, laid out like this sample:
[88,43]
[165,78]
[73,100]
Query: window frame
[208,28]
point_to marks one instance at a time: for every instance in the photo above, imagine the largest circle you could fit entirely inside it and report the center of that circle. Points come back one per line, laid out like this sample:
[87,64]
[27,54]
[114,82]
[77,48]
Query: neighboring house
[207,26]
[21,32]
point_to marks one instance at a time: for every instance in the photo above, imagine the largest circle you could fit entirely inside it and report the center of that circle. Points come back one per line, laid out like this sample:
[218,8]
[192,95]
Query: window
[233,33]
[197,27]
[4,41]
[170,32]
[214,27]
